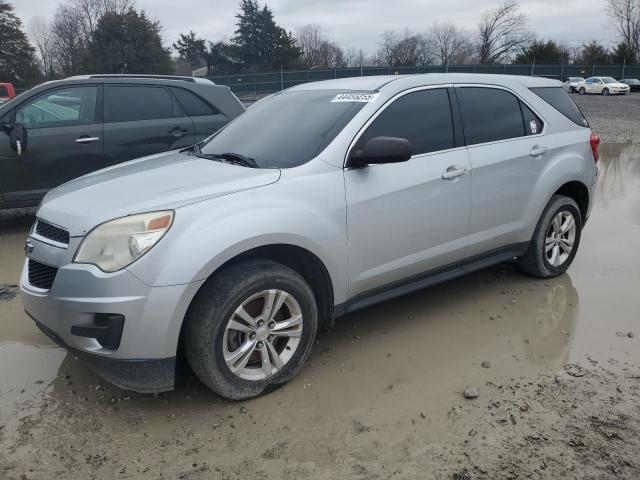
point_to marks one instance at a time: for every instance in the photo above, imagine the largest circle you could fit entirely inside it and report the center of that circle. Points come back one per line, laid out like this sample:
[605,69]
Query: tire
[582,91]
[208,339]
[605,92]
[536,261]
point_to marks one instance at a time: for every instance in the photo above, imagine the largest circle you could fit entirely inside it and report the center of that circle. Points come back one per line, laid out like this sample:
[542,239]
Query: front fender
[206,235]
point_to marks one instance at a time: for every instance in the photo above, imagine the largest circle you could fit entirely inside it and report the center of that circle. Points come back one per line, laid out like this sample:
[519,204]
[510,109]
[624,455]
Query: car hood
[164,181]
[617,85]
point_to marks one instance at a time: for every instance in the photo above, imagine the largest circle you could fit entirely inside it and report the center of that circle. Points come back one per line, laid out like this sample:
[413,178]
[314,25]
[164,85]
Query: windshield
[285,130]
[609,80]
[576,79]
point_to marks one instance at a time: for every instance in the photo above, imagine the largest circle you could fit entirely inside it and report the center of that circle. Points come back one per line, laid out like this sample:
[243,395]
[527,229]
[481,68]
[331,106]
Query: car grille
[41,275]
[51,232]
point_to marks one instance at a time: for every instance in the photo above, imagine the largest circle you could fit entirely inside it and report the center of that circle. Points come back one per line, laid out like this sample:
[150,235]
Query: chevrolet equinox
[319,200]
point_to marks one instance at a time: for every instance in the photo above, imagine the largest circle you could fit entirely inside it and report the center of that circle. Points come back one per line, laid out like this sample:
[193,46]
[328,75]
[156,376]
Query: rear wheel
[555,240]
[605,91]
[251,328]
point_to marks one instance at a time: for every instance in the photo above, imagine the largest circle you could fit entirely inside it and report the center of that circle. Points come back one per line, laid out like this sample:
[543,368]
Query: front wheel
[555,240]
[582,91]
[251,328]
[605,92]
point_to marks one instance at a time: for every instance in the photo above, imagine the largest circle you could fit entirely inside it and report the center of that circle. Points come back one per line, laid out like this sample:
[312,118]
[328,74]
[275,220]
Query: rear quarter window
[558,99]
[193,104]
[3,91]
[490,114]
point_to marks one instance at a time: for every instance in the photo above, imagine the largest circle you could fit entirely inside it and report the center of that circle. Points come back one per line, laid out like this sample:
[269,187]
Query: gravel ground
[615,118]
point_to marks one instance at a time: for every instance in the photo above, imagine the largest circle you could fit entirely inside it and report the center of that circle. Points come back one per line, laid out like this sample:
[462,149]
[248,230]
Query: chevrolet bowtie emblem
[28,247]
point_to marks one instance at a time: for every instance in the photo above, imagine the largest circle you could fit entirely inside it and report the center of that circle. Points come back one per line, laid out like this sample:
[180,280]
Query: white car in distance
[571,83]
[603,86]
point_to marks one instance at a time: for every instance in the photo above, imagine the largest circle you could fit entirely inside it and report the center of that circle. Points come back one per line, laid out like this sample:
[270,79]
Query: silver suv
[320,200]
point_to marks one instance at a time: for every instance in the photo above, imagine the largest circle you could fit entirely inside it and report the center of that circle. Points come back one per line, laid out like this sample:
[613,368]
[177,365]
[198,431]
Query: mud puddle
[381,394]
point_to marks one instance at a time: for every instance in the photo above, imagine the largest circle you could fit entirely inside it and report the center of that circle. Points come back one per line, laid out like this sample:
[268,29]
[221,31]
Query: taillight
[595,143]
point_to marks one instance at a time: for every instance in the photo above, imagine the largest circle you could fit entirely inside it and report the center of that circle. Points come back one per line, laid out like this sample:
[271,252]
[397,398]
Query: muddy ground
[556,364]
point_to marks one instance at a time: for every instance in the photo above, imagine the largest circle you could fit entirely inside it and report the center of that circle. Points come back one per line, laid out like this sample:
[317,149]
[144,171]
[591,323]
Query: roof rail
[158,77]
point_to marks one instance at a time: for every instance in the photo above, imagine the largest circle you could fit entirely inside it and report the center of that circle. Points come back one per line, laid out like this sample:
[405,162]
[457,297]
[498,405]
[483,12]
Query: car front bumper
[144,358]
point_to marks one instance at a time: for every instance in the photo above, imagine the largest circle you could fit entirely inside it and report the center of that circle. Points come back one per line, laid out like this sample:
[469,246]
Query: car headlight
[113,245]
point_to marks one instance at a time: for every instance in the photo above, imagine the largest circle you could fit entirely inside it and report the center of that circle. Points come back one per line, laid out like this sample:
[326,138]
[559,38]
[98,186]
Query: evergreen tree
[622,54]
[128,43]
[594,53]
[260,43]
[191,48]
[543,53]
[18,62]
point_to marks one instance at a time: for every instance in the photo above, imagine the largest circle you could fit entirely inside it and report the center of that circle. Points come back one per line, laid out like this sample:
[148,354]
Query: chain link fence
[257,83]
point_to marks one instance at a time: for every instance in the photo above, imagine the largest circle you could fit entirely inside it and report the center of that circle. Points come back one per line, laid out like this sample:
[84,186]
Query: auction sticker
[355,97]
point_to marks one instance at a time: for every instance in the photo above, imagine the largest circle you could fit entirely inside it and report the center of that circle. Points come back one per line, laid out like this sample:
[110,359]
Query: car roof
[377,83]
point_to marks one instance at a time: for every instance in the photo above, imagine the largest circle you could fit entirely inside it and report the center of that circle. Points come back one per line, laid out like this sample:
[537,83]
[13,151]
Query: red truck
[7,92]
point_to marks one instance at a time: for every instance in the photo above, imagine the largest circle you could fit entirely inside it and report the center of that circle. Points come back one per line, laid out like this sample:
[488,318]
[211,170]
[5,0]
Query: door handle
[453,172]
[87,139]
[536,151]
[178,132]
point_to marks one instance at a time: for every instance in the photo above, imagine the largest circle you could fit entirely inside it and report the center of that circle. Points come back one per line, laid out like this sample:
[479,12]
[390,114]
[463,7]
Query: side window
[66,106]
[4,91]
[532,124]
[193,104]
[423,118]
[127,103]
[489,114]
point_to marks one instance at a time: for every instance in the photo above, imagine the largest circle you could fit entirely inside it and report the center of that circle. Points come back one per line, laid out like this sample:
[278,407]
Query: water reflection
[619,178]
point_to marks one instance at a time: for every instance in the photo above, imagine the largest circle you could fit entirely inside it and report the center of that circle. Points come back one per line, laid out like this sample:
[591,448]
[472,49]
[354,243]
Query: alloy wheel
[262,335]
[560,238]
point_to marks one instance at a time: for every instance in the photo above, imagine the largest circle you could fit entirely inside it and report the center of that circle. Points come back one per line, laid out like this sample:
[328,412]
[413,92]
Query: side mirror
[19,138]
[381,150]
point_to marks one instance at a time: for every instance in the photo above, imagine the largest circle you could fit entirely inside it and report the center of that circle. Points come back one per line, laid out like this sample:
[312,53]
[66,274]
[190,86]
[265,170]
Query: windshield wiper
[237,159]
[229,157]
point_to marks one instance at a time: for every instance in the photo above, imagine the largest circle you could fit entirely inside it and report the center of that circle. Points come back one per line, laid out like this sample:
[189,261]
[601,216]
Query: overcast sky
[358,23]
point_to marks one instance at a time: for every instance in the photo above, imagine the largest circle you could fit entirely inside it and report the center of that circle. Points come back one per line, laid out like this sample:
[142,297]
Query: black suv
[63,129]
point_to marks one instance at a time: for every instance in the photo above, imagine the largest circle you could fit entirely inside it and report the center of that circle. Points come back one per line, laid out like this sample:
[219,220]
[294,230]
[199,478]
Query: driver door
[64,141]
[405,219]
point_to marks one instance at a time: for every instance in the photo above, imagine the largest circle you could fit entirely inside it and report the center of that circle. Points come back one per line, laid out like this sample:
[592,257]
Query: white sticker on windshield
[355,97]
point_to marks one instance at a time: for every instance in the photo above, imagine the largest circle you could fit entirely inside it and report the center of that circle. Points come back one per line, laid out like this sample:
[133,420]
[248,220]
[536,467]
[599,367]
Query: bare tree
[625,18]
[405,49]
[503,32]
[72,27]
[90,11]
[41,35]
[317,48]
[449,44]
[356,57]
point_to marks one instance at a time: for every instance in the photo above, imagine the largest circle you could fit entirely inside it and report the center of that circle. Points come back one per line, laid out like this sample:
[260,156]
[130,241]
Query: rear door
[407,218]
[142,120]
[64,142]
[506,144]
[207,119]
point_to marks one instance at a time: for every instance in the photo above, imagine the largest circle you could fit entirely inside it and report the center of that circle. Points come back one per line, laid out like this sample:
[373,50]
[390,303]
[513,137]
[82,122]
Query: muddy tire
[241,320]
[555,240]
